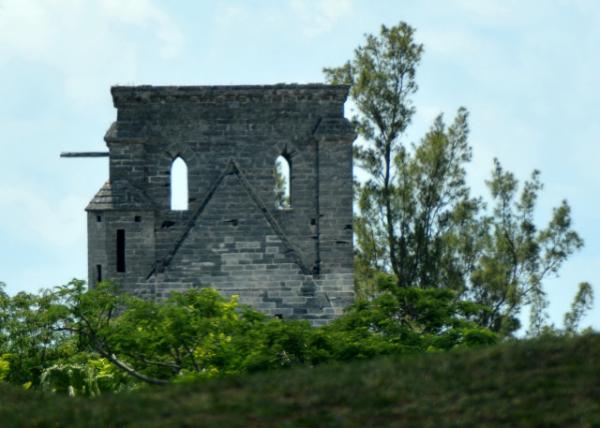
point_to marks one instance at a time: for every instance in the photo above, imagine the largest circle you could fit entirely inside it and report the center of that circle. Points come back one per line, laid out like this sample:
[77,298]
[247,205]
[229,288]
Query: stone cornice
[131,95]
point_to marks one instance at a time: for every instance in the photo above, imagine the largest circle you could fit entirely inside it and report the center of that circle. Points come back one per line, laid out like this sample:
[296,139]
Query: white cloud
[56,223]
[450,43]
[90,42]
[144,13]
[230,14]
[313,17]
[489,11]
[320,16]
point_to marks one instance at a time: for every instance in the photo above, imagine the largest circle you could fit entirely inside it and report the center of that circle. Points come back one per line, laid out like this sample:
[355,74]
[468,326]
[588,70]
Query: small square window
[137,218]
[99,218]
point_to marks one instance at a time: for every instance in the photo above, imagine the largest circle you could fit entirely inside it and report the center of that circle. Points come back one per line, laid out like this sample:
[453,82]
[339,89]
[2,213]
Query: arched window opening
[179,185]
[282,173]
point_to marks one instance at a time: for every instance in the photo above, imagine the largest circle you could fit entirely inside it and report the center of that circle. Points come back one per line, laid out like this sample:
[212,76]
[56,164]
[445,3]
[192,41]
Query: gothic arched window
[179,185]
[282,173]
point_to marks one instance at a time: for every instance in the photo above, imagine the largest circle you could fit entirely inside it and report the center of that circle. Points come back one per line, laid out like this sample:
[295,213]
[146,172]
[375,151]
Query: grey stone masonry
[295,262]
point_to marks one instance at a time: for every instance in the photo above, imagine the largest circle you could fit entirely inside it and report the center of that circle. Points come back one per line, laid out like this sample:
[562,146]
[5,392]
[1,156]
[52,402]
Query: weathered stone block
[294,263]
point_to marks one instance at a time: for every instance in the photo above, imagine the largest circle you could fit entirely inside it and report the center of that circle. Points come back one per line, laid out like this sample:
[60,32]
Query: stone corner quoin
[294,263]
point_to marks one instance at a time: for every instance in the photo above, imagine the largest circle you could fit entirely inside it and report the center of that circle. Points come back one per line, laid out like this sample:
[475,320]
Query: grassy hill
[542,383]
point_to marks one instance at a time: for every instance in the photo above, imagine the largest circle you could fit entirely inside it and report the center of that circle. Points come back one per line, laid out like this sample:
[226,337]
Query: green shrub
[77,342]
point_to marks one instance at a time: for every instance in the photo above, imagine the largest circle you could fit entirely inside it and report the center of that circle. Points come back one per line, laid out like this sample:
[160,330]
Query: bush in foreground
[69,340]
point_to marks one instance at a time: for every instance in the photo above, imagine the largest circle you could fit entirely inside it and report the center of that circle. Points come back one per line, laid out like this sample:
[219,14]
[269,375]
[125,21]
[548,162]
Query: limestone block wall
[294,263]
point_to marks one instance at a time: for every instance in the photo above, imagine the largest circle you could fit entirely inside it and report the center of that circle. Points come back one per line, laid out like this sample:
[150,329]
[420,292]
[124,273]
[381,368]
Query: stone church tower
[293,262]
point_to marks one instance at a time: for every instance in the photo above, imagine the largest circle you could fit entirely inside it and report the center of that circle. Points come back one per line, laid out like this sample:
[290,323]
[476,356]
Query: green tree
[199,334]
[382,75]
[582,303]
[34,337]
[417,217]
[516,254]
[75,342]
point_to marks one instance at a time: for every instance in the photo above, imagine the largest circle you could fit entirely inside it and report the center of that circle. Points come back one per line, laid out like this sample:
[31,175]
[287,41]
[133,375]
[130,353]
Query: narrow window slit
[120,250]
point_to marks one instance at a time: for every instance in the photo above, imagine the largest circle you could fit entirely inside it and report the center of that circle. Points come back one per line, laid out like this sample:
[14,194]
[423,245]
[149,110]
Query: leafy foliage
[417,319]
[199,334]
[89,378]
[382,75]
[583,302]
[77,342]
[418,220]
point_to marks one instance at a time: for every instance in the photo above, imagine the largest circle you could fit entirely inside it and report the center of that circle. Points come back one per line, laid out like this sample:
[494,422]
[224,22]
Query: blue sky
[526,70]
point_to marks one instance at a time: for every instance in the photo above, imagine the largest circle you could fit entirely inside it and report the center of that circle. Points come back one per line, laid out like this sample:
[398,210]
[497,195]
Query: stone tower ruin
[295,262]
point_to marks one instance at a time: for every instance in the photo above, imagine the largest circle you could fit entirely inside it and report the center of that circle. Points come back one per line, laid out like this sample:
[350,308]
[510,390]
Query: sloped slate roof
[120,195]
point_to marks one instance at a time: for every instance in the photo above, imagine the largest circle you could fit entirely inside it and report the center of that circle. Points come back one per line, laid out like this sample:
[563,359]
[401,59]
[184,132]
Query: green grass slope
[543,383]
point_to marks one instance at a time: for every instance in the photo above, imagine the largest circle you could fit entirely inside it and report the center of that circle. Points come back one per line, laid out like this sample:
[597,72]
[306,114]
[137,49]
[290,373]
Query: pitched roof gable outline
[232,168]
